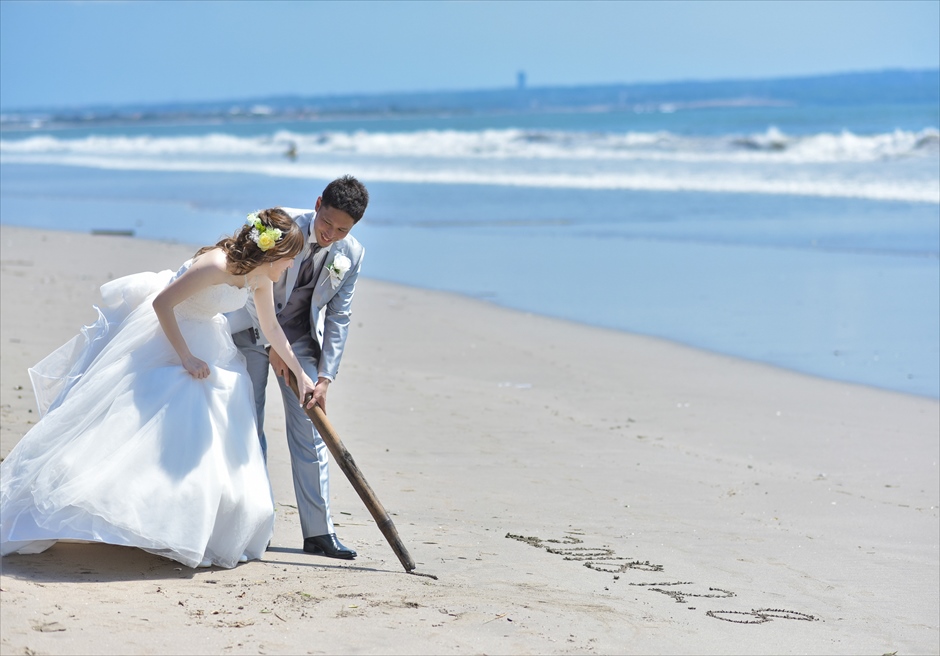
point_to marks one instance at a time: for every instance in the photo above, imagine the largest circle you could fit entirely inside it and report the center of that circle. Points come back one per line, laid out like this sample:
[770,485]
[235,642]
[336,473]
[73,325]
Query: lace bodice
[211,301]
[208,302]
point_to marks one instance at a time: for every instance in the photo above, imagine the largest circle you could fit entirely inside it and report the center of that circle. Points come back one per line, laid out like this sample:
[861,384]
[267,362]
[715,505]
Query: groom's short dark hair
[347,195]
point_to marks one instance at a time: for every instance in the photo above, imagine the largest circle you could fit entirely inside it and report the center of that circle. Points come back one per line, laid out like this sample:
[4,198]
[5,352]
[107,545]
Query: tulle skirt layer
[133,450]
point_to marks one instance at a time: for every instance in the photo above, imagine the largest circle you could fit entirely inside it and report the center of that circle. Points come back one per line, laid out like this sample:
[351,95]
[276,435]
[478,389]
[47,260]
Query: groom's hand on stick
[319,394]
[305,385]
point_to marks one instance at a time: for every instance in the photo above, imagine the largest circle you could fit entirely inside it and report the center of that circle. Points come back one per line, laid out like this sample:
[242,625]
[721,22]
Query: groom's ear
[316,208]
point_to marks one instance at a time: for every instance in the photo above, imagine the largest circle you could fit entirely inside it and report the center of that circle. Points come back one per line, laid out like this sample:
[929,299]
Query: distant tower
[520,80]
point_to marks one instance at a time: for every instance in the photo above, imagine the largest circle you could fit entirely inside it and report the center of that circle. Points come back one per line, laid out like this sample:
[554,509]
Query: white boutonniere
[337,269]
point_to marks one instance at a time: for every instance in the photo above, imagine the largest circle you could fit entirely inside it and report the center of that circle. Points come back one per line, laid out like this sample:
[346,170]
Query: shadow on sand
[73,562]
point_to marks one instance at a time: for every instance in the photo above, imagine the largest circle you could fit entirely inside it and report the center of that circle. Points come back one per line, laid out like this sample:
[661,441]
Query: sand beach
[566,489]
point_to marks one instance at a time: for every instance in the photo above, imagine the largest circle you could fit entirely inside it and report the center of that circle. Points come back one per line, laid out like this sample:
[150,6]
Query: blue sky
[61,53]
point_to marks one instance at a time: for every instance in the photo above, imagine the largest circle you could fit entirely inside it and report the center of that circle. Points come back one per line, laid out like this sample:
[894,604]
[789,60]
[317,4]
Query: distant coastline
[882,87]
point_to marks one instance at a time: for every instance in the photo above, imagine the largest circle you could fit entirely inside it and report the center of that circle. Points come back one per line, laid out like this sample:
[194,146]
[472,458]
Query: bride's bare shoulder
[209,252]
[214,264]
[257,280]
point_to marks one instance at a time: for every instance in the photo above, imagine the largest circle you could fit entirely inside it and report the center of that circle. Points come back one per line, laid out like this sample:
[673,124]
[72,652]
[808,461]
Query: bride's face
[278,267]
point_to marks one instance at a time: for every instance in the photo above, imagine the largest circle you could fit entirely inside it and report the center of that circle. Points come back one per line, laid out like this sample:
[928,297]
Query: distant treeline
[882,87]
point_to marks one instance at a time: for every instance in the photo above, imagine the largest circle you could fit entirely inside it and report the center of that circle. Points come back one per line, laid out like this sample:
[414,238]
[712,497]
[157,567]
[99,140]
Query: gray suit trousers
[309,455]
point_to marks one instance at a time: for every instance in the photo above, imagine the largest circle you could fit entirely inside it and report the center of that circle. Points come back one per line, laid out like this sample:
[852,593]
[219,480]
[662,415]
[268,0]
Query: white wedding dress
[132,450]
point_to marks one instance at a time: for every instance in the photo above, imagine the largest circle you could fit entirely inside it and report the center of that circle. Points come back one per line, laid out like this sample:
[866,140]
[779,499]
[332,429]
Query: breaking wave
[826,164]
[769,146]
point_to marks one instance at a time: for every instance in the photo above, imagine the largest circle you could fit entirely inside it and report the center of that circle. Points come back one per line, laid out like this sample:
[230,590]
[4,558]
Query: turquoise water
[804,237]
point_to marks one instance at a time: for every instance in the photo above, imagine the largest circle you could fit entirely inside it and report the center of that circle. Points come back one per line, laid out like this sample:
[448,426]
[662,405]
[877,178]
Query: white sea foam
[769,147]
[825,164]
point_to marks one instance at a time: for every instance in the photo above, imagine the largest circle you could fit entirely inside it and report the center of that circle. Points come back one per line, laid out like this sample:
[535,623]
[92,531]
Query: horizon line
[427,92]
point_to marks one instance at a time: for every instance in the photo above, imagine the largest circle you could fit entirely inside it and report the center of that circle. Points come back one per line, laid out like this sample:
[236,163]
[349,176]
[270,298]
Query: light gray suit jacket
[335,304]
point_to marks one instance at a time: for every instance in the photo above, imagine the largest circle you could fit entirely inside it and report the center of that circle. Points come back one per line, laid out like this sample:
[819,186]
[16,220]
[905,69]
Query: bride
[148,437]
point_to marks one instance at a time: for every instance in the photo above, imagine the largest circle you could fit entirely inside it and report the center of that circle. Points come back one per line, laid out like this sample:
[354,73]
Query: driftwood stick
[348,465]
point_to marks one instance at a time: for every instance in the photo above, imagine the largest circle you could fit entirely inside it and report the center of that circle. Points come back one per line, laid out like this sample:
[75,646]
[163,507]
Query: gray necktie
[306,268]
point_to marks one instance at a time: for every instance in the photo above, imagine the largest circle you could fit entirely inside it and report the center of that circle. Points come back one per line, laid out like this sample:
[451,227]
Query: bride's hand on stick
[277,363]
[305,385]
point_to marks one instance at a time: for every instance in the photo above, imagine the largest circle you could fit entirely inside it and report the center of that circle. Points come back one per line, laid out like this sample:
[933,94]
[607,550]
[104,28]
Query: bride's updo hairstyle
[278,237]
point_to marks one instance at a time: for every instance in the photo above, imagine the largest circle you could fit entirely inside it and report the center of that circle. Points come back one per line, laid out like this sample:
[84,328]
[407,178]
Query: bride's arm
[267,319]
[203,273]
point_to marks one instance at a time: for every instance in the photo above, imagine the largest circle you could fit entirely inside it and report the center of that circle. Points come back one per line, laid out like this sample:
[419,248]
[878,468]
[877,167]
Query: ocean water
[807,237]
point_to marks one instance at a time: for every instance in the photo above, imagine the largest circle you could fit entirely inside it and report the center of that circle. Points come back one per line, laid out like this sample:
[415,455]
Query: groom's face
[330,224]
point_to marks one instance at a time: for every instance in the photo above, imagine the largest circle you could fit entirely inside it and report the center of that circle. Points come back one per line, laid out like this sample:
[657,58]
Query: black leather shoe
[327,545]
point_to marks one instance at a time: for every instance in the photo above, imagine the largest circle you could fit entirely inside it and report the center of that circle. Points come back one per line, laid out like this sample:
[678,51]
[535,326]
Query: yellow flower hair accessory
[264,236]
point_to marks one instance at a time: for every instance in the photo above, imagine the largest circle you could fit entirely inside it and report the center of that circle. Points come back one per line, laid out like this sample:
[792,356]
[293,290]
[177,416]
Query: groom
[323,278]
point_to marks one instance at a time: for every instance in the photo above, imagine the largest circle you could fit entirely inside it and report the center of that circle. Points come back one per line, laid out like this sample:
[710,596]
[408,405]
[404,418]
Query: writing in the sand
[605,559]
